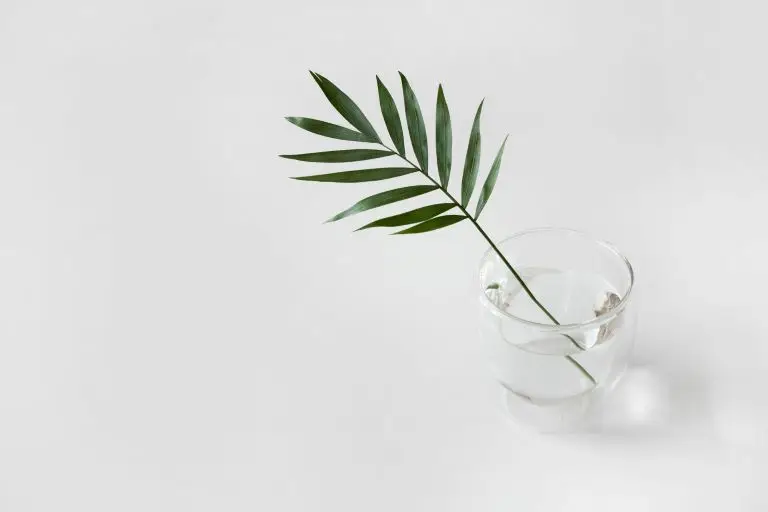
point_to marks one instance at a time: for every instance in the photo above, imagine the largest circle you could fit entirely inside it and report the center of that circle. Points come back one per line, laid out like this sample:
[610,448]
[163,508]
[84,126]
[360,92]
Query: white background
[178,331]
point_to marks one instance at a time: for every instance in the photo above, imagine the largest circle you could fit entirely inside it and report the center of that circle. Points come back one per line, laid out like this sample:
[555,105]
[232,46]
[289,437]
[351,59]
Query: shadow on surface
[649,402]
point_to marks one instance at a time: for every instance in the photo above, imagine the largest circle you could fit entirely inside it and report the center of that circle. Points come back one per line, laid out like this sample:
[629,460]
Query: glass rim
[598,320]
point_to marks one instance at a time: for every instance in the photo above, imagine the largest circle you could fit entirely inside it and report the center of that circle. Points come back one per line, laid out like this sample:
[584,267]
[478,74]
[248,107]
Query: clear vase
[552,374]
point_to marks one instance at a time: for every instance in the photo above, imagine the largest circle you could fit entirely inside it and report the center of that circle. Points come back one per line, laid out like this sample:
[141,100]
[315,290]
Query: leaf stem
[514,272]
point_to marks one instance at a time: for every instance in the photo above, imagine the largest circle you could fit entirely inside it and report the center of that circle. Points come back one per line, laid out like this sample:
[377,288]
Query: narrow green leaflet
[382,198]
[432,224]
[490,181]
[391,117]
[411,217]
[383,173]
[443,138]
[346,107]
[331,130]
[344,155]
[416,128]
[472,160]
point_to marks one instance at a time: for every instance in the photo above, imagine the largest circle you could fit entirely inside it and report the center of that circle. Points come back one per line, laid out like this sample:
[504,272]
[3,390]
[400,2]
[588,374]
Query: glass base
[553,417]
[556,415]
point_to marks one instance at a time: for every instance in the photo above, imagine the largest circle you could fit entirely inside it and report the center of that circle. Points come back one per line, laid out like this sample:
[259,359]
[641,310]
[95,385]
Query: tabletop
[179,330]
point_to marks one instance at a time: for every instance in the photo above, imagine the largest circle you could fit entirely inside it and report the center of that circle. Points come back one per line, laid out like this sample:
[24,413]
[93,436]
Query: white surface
[179,332]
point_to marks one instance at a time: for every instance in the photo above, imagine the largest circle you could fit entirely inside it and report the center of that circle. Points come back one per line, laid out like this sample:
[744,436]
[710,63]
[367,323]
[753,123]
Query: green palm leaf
[391,117]
[490,181]
[340,156]
[411,217]
[360,176]
[331,130]
[427,218]
[472,160]
[382,198]
[346,107]
[416,128]
[443,138]
[432,224]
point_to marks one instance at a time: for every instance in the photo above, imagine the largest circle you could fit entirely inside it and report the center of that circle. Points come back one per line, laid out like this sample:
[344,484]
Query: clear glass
[551,374]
